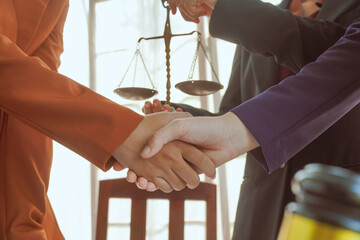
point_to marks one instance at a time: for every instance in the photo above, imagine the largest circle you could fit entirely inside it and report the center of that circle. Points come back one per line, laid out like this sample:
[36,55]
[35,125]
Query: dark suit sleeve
[232,96]
[193,110]
[190,109]
[265,29]
[288,116]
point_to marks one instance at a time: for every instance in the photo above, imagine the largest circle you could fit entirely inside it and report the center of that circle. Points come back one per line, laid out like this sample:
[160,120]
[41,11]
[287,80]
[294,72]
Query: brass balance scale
[191,86]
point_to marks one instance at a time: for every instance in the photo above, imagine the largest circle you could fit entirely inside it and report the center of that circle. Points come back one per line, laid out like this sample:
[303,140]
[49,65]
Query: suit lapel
[8,23]
[29,15]
[332,9]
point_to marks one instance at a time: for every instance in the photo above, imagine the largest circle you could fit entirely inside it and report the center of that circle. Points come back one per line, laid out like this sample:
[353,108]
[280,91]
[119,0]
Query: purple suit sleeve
[291,114]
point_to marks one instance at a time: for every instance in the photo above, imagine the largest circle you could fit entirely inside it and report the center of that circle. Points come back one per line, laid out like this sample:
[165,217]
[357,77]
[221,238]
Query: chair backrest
[120,188]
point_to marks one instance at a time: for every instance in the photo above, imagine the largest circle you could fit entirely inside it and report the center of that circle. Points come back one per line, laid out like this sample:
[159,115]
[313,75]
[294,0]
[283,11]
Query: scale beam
[192,87]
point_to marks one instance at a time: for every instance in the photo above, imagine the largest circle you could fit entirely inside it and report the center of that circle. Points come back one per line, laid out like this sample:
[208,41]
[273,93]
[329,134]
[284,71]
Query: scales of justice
[190,86]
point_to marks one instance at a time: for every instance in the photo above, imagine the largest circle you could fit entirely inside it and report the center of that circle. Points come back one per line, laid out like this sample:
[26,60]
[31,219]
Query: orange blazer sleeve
[73,115]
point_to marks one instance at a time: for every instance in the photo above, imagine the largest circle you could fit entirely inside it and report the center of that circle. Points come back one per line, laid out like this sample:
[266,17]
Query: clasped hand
[175,166]
[220,138]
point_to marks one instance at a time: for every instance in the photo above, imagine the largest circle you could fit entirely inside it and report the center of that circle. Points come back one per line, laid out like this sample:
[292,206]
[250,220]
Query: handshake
[168,150]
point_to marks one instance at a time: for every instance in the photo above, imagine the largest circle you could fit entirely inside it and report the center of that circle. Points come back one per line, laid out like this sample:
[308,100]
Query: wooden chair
[120,188]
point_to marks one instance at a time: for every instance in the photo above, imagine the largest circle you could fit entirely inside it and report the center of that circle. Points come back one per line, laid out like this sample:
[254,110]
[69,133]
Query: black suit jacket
[267,36]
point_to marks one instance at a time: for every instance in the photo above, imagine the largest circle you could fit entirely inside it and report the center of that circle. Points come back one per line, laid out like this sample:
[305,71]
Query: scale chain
[136,54]
[128,68]
[196,55]
[147,72]
[209,61]
[192,68]
[135,69]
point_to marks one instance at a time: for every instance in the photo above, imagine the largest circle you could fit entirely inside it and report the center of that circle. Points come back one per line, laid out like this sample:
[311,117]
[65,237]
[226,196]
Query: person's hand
[191,10]
[167,170]
[156,107]
[222,138]
[131,177]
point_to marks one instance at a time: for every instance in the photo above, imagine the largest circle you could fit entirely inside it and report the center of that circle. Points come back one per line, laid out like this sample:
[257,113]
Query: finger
[179,110]
[172,4]
[198,171]
[186,16]
[207,11]
[199,159]
[143,108]
[157,106]
[142,182]
[151,187]
[148,108]
[217,156]
[181,167]
[174,180]
[167,108]
[189,18]
[174,130]
[131,176]
[118,166]
[163,185]
[188,175]
[183,7]
[138,185]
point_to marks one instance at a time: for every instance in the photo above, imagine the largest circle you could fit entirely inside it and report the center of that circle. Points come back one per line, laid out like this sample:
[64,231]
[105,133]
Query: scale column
[167,39]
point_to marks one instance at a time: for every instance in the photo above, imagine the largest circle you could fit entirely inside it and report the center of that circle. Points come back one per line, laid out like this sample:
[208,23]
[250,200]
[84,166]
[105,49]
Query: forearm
[253,23]
[60,108]
[288,116]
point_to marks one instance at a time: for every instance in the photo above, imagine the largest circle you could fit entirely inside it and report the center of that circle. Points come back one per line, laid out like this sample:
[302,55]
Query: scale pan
[135,93]
[199,87]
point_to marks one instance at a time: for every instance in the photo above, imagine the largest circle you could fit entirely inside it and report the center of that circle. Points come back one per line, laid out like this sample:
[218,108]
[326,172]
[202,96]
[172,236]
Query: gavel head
[327,205]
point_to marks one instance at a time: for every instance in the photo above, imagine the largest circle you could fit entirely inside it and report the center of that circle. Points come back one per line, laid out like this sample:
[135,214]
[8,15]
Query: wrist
[239,134]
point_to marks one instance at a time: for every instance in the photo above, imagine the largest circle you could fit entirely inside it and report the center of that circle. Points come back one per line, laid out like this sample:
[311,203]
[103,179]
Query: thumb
[161,137]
